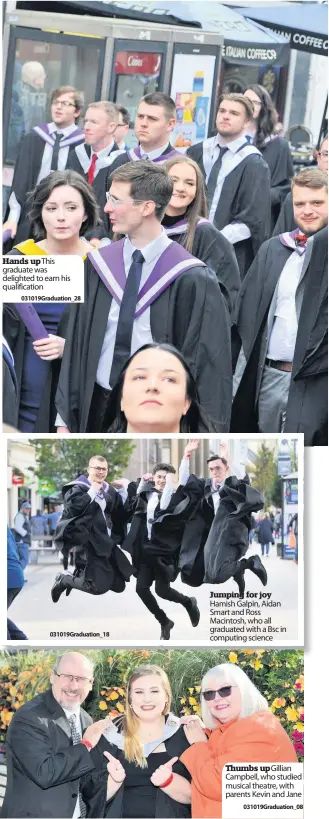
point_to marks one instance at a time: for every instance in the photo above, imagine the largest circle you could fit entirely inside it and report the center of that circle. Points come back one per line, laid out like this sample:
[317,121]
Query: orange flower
[145,654]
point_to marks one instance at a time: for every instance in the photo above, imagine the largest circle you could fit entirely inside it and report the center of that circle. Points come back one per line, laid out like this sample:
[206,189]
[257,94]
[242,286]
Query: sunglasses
[225,691]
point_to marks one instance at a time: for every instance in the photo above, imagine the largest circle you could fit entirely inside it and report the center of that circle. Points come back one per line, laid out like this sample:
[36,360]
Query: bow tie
[300,240]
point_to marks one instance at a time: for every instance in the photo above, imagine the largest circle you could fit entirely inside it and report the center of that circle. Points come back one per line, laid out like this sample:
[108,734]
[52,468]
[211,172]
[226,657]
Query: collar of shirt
[234,145]
[156,153]
[104,152]
[65,131]
[76,713]
[151,252]
[215,487]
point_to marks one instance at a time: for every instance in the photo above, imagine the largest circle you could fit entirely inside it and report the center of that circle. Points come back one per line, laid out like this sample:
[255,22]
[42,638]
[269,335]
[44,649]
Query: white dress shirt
[153,497]
[101,156]
[215,494]
[237,231]
[142,325]
[284,331]
[154,154]
[15,207]
[69,714]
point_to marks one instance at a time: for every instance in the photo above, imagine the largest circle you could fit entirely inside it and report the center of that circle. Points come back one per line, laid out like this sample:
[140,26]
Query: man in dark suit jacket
[46,757]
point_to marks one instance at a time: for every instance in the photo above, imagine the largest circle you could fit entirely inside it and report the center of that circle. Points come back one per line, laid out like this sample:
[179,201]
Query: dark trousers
[98,407]
[145,578]
[13,632]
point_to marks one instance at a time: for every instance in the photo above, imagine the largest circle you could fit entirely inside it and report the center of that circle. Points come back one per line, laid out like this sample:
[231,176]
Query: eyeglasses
[71,677]
[323,153]
[116,202]
[63,104]
[225,691]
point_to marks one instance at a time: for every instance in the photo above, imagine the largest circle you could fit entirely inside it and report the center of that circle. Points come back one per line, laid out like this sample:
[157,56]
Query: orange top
[258,738]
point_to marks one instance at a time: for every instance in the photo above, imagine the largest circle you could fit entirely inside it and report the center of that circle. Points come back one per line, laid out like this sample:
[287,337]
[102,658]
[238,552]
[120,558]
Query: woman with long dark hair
[62,208]
[275,149]
[185,221]
[156,392]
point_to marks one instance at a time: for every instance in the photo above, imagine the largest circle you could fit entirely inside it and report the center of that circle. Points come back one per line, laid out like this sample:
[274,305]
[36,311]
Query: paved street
[124,616]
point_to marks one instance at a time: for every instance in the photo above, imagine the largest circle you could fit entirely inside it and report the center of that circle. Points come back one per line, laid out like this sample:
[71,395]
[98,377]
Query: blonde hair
[252,700]
[109,108]
[133,749]
[198,207]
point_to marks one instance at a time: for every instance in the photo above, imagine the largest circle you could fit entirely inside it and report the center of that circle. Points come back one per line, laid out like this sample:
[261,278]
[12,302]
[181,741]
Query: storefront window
[40,67]
[237,78]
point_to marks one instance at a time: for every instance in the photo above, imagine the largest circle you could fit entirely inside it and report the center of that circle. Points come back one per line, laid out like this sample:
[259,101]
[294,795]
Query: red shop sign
[18,480]
[128,62]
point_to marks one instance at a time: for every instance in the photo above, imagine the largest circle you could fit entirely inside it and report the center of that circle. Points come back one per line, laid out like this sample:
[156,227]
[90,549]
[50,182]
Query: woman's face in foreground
[154,391]
[224,709]
[184,178]
[63,213]
[148,697]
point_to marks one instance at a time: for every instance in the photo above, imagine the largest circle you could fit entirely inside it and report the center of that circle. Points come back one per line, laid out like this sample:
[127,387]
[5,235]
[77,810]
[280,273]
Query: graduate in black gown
[238,180]
[137,768]
[274,149]
[100,123]
[46,148]
[93,521]
[281,374]
[62,200]
[286,221]
[155,120]
[178,301]
[158,513]
[163,399]
[186,222]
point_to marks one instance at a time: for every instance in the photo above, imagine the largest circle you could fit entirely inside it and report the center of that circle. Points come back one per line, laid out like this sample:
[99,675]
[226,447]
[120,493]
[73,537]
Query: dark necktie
[91,172]
[54,159]
[213,176]
[76,738]
[124,333]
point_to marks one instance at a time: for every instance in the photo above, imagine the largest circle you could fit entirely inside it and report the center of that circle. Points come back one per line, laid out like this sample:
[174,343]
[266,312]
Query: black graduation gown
[94,786]
[196,531]
[74,164]
[14,332]
[228,539]
[27,169]
[83,525]
[212,248]
[9,389]
[245,197]
[191,314]
[307,408]
[277,154]
[286,221]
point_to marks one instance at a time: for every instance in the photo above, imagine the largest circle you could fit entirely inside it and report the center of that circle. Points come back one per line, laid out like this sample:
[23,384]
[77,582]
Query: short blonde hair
[109,109]
[252,700]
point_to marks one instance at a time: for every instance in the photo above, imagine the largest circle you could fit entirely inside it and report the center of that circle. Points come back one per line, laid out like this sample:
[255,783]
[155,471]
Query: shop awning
[304,25]
[245,42]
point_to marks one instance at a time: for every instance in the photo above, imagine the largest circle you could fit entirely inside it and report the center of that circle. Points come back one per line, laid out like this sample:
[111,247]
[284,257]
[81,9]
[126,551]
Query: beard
[310,231]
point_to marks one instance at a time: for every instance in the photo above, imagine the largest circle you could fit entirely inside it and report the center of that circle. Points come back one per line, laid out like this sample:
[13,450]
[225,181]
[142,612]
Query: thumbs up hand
[163,773]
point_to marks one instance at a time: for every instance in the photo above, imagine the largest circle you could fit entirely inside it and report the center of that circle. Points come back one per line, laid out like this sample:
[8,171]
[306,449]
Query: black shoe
[193,611]
[57,588]
[165,630]
[255,565]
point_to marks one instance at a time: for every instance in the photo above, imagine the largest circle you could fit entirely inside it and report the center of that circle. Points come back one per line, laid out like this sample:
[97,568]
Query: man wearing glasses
[44,149]
[141,289]
[93,522]
[49,745]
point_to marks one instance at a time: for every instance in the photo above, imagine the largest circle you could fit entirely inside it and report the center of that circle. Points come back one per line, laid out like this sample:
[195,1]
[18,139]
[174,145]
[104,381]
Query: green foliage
[264,474]
[278,674]
[61,460]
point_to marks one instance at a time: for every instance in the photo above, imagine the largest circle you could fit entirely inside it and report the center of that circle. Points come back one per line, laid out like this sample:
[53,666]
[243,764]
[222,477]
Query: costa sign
[137,62]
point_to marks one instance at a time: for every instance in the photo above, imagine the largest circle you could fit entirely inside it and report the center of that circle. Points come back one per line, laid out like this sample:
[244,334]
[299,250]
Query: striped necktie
[76,738]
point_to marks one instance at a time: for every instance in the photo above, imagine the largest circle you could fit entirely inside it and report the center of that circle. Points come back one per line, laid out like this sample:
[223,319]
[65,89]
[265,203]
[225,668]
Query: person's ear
[187,404]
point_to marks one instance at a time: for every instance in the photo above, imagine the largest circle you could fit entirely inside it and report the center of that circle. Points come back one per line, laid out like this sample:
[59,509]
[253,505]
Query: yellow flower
[196,708]
[121,691]
[257,665]
[183,700]
[113,695]
[12,691]
[233,657]
[291,714]
[198,688]
[279,702]
[120,707]
[192,700]
[292,698]
[191,690]
[102,705]
[299,727]
[249,651]
[273,708]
